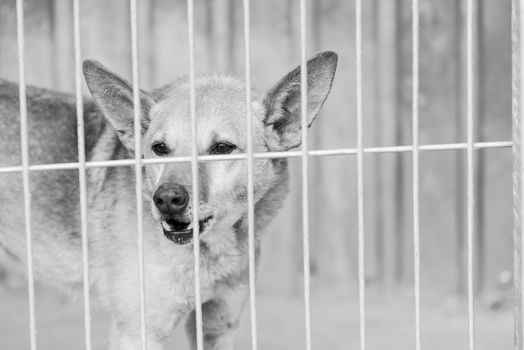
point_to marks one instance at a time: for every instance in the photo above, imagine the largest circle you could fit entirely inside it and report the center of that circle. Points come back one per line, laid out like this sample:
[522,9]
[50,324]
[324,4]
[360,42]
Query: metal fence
[470,147]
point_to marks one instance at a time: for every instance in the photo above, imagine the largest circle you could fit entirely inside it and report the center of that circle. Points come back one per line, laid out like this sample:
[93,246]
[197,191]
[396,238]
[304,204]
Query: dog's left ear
[114,96]
[282,102]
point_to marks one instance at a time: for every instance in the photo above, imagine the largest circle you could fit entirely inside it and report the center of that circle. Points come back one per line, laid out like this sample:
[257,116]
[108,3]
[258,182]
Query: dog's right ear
[114,96]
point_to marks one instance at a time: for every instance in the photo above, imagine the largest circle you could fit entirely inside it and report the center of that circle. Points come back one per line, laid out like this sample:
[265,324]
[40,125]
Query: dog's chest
[216,270]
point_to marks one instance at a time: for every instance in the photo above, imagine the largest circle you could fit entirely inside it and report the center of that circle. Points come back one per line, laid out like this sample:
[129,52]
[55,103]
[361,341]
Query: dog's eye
[222,148]
[160,148]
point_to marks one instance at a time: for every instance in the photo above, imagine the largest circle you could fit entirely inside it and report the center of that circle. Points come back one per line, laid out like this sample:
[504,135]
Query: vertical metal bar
[470,167]
[250,194]
[305,177]
[138,167]
[25,169]
[517,20]
[82,171]
[416,171]
[360,176]
[520,132]
[194,173]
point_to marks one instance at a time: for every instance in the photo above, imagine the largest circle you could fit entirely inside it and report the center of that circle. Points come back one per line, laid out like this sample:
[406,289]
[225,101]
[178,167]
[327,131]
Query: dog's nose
[171,198]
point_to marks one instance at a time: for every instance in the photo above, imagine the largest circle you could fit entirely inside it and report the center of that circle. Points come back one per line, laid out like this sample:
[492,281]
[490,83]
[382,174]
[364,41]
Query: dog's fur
[111,201]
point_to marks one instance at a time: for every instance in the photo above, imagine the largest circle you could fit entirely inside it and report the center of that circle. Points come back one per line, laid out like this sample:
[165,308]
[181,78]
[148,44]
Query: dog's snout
[171,198]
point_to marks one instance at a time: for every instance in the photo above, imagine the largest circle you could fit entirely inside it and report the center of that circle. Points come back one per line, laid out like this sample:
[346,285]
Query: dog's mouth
[180,232]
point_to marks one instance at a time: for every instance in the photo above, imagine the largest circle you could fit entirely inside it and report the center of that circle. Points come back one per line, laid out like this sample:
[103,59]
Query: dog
[167,196]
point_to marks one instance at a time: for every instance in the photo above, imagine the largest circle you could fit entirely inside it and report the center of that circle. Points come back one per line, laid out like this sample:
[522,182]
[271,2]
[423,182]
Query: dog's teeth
[190,226]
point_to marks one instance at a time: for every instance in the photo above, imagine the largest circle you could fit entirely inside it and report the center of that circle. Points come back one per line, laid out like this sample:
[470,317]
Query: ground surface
[335,323]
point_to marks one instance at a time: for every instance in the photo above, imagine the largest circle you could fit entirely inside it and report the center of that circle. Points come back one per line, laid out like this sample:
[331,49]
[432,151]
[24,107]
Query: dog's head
[221,129]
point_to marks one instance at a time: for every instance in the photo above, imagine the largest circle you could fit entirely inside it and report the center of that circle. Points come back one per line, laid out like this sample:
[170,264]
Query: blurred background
[333,202]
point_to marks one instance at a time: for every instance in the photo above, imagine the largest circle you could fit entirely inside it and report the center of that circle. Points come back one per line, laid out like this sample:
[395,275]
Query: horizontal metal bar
[265,155]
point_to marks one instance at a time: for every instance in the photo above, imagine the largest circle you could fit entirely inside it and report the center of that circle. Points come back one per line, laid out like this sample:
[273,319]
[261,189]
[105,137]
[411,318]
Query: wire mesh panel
[416,149]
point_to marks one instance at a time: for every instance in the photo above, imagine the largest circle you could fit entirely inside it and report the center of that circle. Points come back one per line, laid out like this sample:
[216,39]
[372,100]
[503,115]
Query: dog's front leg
[126,339]
[127,336]
[220,318]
